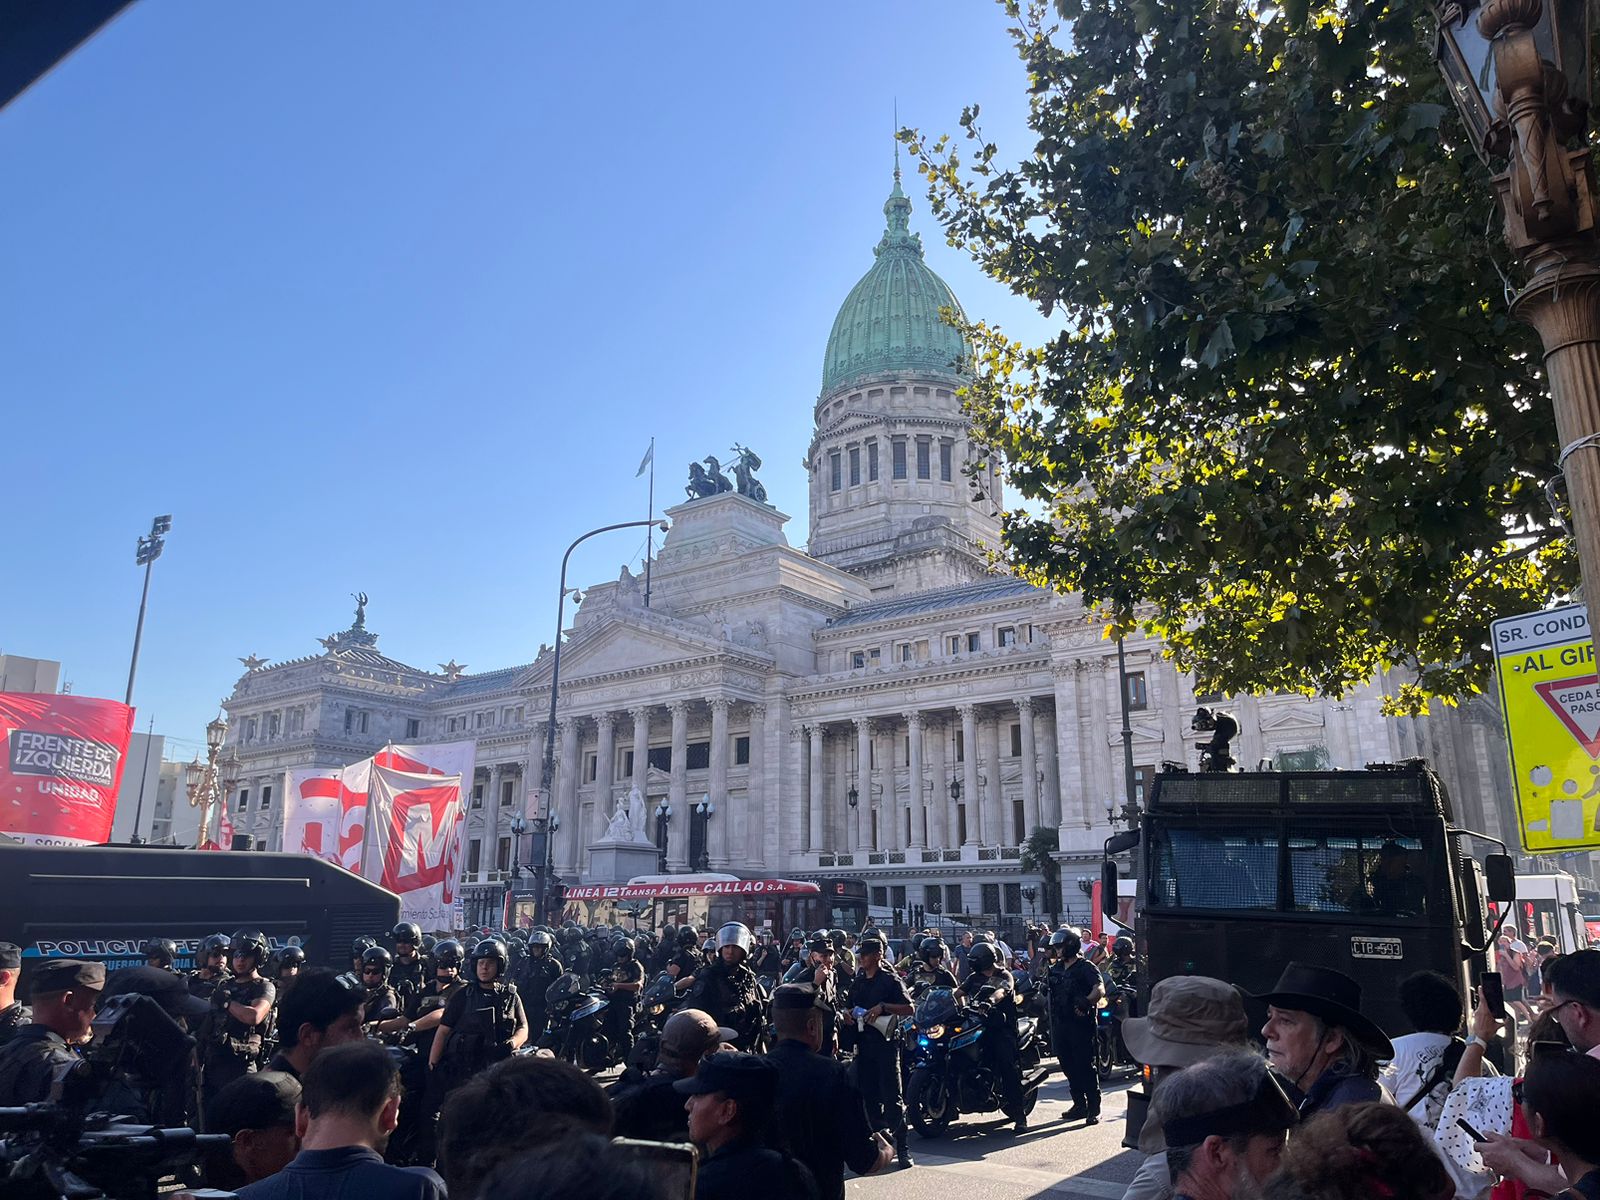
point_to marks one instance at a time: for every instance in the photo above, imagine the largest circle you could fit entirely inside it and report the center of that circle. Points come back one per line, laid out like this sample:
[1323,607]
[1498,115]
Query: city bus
[708,900]
[1547,907]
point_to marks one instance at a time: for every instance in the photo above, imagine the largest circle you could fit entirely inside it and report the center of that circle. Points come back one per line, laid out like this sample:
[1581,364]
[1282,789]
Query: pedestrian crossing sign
[1550,696]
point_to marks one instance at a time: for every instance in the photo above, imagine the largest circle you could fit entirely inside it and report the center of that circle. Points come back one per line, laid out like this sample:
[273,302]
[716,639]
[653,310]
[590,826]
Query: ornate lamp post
[705,810]
[1518,71]
[1030,894]
[663,822]
[211,780]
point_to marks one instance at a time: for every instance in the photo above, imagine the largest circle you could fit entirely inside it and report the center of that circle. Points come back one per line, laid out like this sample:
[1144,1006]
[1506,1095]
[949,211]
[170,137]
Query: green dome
[890,320]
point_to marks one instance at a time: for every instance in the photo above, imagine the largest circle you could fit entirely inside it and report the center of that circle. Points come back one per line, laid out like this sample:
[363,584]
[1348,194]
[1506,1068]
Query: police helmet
[735,933]
[624,949]
[377,956]
[490,948]
[1068,942]
[983,957]
[839,938]
[291,956]
[428,943]
[407,931]
[540,938]
[161,950]
[361,945]
[930,949]
[251,942]
[1122,947]
[687,937]
[916,943]
[448,953]
[217,943]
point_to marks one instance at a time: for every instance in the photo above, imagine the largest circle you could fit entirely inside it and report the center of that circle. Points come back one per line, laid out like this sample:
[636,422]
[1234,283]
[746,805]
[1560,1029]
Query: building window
[973,643]
[833,471]
[961,746]
[1142,778]
[858,659]
[897,895]
[1013,895]
[880,897]
[872,461]
[1138,692]
[660,757]
[477,795]
[508,792]
[627,764]
[474,856]
[953,643]
[923,471]
[455,724]
[517,713]
[904,652]
[741,751]
[991,898]
[697,756]
[952,898]
[266,798]
[1006,635]
[591,764]
[899,458]
[244,799]
[855,466]
[485,719]
[502,855]
[1016,741]
[274,722]
[250,730]
[413,727]
[944,461]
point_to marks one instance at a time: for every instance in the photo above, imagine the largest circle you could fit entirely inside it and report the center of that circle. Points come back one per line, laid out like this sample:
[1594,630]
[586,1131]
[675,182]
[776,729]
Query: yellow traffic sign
[1551,699]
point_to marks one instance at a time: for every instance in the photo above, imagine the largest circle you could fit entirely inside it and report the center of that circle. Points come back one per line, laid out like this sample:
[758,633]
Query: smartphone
[1471,1132]
[1494,993]
[673,1163]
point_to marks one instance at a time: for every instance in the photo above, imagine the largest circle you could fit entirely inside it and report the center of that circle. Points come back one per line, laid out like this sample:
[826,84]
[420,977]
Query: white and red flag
[325,813]
[422,817]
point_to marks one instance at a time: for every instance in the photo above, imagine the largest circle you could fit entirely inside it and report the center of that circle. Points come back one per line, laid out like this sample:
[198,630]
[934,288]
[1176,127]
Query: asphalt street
[983,1159]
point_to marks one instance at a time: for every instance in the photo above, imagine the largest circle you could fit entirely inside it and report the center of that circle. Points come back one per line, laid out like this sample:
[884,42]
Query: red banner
[62,767]
[702,887]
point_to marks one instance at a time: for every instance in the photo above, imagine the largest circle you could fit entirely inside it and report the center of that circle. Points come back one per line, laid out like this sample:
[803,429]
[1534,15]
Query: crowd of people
[425,1070]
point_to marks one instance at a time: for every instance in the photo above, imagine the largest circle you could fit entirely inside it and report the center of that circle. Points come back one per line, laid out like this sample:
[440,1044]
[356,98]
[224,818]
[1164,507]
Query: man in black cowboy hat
[1319,1041]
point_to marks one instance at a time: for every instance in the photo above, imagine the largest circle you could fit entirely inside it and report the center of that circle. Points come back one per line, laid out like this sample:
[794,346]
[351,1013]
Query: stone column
[1101,783]
[969,774]
[941,828]
[914,781]
[797,773]
[605,759]
[818,783]
[570,767]
[862,817]
[491,819]
[641,747]
[996,826]
[883,733]
[1030,777]
[755,788]
[839,811]
[717,828]
[677,789]
[1050,799]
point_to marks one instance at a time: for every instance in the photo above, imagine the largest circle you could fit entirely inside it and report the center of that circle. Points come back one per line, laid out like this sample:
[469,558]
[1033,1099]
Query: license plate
[1371,947]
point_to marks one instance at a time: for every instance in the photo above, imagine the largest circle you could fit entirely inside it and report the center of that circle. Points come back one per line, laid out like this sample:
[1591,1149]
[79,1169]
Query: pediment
[1292,719]
[635,644]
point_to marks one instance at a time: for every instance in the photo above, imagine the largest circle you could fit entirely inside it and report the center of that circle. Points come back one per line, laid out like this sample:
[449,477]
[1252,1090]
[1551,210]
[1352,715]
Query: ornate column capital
[757,712]
[605,720]
[641,712]
[1024,705]
[566,724]
[967,712]
[914,720]
[796,732]
[722,702]
[678,708]
[863,725]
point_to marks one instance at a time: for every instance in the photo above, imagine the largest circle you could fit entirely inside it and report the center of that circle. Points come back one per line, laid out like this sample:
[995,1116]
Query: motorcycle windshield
[564,986]
[936,1007]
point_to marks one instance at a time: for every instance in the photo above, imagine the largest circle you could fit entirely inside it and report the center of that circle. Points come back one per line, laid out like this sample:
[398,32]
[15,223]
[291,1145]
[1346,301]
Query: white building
[879,705]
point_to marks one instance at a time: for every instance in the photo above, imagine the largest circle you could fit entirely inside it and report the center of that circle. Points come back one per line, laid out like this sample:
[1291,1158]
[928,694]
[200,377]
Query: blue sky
[392,296]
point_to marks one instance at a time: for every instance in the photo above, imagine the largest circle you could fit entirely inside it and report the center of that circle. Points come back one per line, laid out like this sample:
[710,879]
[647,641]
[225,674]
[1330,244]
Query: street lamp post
[1518,71]
[211,780]
[705,810]
[1030,894]
[545,867]
[663,823]
[148,551]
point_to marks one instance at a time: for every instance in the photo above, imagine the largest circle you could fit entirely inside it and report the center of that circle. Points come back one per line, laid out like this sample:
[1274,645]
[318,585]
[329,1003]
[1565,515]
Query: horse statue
[745,466]
[699,484]
[715,476]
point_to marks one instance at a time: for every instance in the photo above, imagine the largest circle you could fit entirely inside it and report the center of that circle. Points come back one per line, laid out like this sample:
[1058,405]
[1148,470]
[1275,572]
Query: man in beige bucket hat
[1191,1018]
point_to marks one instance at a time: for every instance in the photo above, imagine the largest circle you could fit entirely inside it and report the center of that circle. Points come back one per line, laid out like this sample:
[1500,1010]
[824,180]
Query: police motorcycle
[656,1004]
[1109,1050]
[950,1074]
[576,1028]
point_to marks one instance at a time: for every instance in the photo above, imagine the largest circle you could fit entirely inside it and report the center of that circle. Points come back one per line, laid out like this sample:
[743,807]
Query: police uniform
[730,995]
[37,1054]
[745,1167]
[927,977]
[433,997]
[536,974]
[481,1022]
[406,976]
[820,1110]
[1072,1030]
[381,999]
[15,1015]
[233,1048]
[624,1005]
[205,986]
[878,1057]
[1000,1037]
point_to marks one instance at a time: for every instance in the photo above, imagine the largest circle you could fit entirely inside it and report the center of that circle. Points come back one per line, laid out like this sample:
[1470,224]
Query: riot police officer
[1075,989]
[357,948]
[991,986]
[288,963]
[930,972]
[687,962]
[211,966]
[406,975]
[381,1001]
[627,981]
[768,958]
[483,1023]
[875,994]
[13,1014]
[160,953]
[236,1029]
[727,989]
[540,969]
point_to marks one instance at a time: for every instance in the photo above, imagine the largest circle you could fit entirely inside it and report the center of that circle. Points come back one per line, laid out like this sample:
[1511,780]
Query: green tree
[1287,425]
[1035,857]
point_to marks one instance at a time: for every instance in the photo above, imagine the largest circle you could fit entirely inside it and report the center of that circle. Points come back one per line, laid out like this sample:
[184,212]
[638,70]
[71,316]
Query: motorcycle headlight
[934,1032]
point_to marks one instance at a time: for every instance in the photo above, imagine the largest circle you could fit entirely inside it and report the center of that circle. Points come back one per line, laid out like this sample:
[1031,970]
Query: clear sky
[392,296]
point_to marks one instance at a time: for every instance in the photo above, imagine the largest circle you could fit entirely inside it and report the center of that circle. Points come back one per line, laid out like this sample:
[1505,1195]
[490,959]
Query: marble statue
[617,829]
[636,816]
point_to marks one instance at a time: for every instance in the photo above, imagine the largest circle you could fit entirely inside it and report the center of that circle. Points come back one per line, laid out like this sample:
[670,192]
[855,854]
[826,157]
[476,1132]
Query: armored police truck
[104,902]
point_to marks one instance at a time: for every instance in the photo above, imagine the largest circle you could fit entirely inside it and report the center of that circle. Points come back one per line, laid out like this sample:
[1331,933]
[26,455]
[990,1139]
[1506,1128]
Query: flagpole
[650,530]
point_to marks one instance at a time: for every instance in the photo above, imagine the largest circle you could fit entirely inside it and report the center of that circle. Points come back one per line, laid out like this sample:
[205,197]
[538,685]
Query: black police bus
[104,902]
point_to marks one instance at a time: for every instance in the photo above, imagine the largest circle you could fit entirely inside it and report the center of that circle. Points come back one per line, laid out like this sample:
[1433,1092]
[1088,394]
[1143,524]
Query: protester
[1224,1121]
[588,1168]
[63,995]
[1191,1018]
[258,1113]
[1425,1061]
[651,1109]
[730,1102]
[321,1011]
[515,1104]
[1360,1152]
[1574,983]
[1319,1040]
[1557,1099]
[349,1105]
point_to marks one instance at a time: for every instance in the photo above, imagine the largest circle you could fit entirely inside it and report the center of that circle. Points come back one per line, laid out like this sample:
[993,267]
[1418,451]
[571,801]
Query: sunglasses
[372,970]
